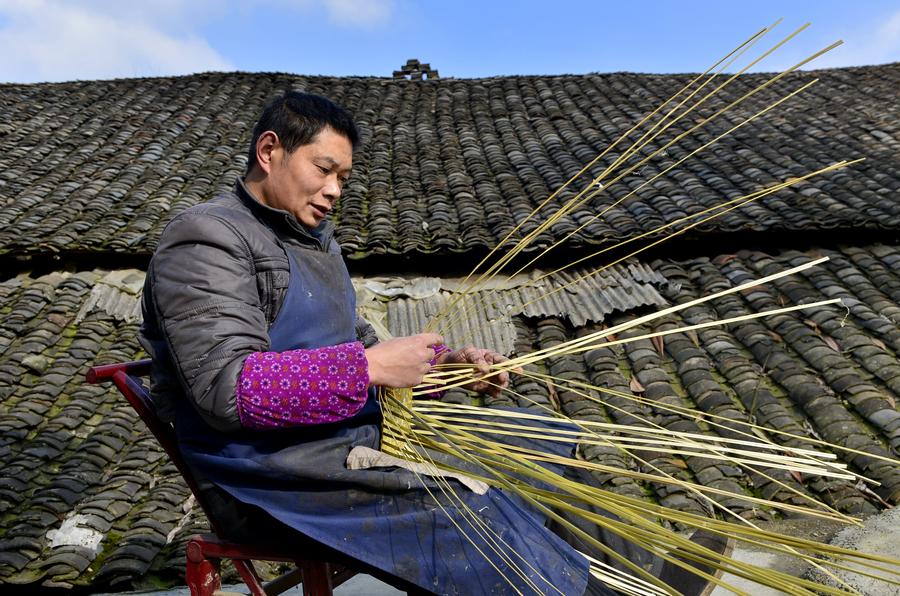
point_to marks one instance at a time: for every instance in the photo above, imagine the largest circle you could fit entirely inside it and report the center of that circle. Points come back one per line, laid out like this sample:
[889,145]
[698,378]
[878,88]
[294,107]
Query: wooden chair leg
[316,579]
[201,574]
[250,577]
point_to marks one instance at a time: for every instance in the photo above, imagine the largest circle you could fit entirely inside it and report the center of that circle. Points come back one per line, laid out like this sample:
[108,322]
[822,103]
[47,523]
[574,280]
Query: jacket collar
[321,235]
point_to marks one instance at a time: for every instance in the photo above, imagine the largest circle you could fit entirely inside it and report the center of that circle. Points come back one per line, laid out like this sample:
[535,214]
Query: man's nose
[332,190]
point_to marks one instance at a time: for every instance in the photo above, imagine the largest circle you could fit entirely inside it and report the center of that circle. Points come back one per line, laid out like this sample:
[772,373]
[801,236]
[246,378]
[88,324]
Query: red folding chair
[205,552]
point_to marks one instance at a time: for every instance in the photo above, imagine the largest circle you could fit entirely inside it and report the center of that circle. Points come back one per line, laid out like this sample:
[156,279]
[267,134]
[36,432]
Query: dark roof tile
[72,449]
[446,165]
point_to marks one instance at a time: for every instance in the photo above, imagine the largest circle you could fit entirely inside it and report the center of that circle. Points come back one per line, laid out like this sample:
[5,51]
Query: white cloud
[867,48]
[366,14]
[61,40]
[54,40]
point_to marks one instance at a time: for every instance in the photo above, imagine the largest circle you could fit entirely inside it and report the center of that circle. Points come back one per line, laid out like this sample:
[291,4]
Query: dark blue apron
[383,517]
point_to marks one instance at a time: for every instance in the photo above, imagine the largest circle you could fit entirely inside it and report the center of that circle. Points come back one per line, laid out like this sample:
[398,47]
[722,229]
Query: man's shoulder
[225,211]
[225,205]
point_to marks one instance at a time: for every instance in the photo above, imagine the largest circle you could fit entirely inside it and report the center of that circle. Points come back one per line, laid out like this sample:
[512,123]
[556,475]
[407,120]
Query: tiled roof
[86,494]
[447,165]
[87,497]
[92,170]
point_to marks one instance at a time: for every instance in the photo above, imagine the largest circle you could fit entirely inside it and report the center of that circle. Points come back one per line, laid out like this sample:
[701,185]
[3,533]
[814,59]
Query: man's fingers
[431,339]
[496,358]
[471,354]
[484,379]
[500,359]
[478,357]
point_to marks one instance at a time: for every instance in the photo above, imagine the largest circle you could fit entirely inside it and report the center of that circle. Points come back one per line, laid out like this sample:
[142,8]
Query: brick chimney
[414,70]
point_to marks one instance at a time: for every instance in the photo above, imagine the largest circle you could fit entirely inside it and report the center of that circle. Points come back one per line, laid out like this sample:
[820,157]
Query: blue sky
[58,40]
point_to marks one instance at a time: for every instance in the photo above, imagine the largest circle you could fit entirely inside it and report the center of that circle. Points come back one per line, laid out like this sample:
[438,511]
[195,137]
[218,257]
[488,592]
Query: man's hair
[297,118]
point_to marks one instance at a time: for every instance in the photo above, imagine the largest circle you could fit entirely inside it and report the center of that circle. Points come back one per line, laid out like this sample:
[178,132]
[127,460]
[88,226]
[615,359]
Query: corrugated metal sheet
[485,317]
[118,294]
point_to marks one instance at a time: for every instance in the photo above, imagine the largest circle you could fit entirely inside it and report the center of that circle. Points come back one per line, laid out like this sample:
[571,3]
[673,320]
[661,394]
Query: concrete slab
[360,585]
[879,534]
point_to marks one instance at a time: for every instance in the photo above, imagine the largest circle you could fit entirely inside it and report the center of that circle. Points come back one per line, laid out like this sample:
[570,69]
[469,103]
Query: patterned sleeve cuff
[436,392]
[438,350]
[302,387]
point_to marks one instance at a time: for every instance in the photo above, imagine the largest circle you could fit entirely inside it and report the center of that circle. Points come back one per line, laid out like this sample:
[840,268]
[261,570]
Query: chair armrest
[139,368]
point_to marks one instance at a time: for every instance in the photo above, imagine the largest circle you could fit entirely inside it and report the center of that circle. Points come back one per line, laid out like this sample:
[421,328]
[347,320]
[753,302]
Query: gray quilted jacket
[214,285]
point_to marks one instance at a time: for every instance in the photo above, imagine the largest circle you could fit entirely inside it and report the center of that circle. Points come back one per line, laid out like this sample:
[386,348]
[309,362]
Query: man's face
[307,183]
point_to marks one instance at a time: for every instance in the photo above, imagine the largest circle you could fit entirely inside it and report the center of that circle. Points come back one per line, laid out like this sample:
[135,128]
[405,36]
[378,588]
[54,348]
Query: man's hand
[482,359]
[401,362]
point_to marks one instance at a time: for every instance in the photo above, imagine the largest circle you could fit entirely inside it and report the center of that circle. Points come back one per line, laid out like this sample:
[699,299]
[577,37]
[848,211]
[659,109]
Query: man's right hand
[403,361]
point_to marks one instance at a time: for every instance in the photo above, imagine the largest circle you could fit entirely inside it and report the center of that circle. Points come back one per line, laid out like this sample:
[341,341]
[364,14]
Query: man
[268,375]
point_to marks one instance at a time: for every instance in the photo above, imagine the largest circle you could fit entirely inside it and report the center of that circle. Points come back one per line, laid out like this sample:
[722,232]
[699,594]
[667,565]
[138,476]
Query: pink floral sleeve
[302,387]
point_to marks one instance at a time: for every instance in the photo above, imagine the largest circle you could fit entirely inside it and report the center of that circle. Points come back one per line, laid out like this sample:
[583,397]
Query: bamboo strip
[522,244]
[711,420]
[553,218]
[810,560]
[459,439]
[624,136]
[711,212]
[650,444]
[476,523]
[426,406]
[582,344]
[692,488]
[659,174]
[534,455]
[803,496]
[559,482]
[814,564]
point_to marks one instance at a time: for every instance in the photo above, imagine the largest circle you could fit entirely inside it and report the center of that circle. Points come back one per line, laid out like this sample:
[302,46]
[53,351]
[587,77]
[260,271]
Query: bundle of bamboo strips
[479,439]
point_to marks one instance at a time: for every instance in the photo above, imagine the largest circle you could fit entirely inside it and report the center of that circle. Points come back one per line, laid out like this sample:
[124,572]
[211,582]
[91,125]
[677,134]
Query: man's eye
[323,169]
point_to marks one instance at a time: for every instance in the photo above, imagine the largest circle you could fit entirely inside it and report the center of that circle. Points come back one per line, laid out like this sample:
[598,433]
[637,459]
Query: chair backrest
[201,573]
[126,377]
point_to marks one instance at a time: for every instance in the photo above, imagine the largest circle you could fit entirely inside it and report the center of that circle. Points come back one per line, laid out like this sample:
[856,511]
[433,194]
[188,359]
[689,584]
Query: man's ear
[268,147]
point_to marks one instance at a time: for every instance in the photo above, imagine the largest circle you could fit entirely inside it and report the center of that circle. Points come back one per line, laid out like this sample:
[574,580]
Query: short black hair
[297,118]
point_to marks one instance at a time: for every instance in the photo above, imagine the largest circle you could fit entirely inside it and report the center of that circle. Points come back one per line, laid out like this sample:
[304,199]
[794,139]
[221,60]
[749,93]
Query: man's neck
[254,182]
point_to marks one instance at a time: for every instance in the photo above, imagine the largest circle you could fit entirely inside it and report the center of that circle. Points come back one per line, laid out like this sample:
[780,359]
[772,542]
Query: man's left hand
[482,360]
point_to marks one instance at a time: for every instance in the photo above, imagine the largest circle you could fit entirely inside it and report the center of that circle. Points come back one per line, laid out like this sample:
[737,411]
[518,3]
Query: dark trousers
[248,524]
